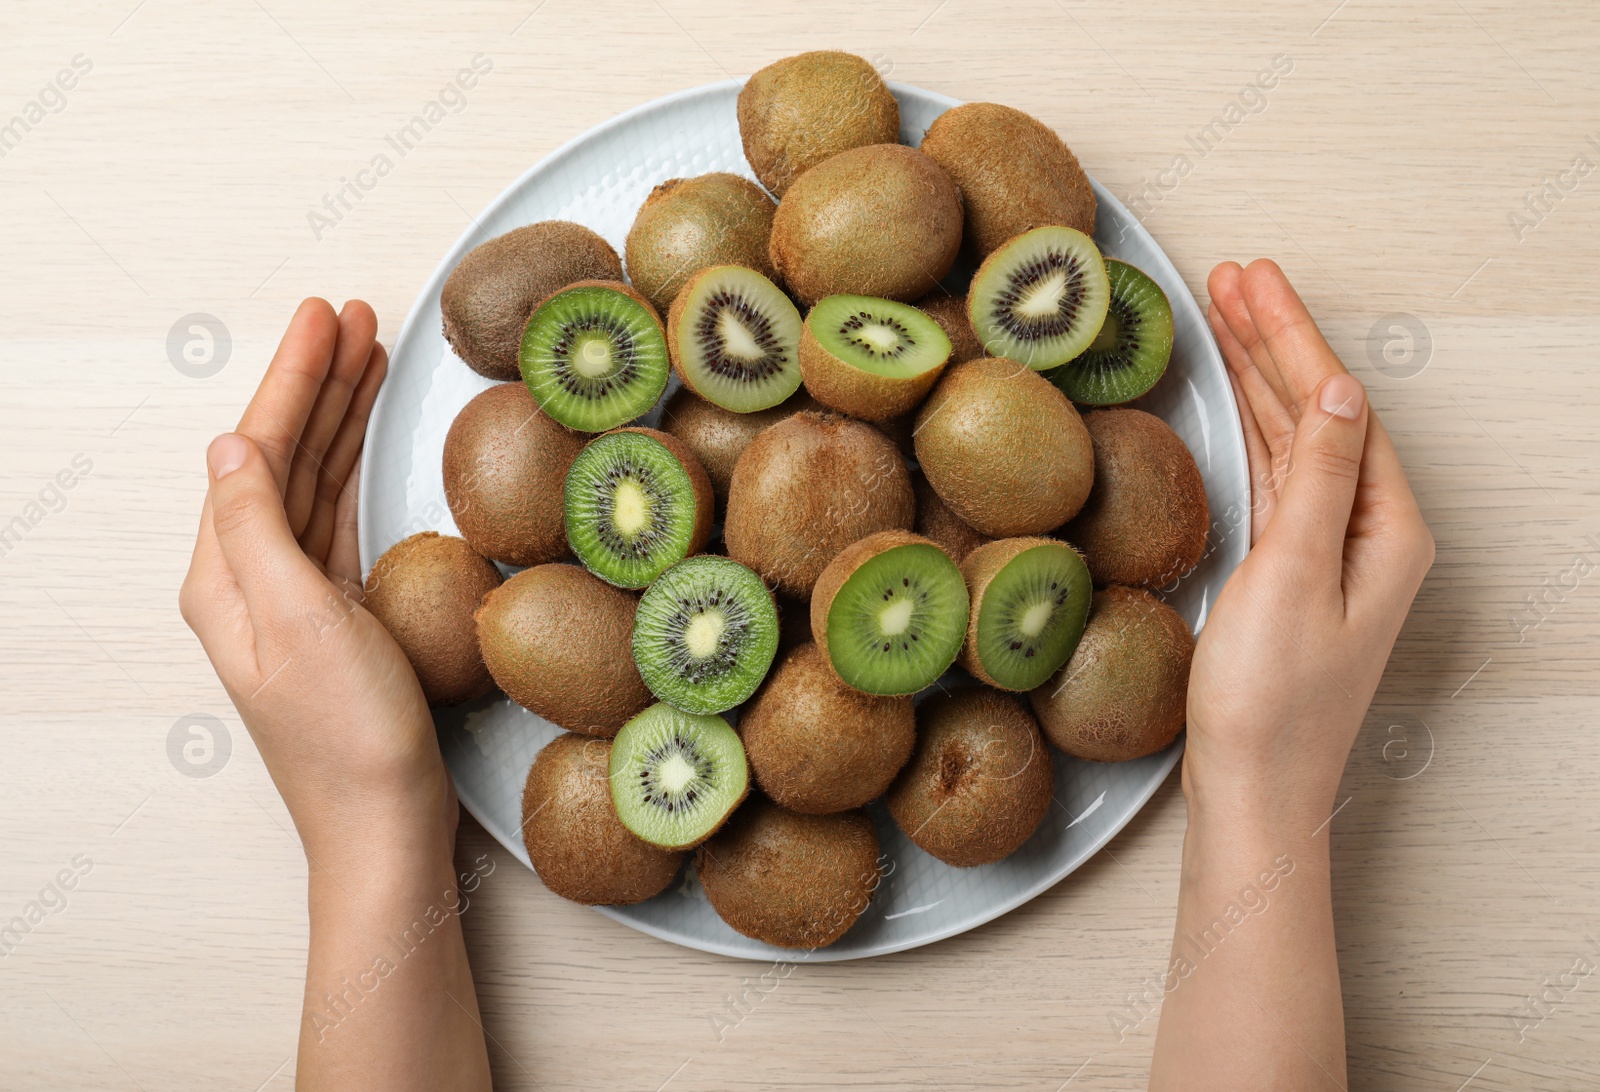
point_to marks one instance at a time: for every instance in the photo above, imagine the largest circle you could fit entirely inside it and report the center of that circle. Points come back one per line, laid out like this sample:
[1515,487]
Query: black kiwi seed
[1026,277]
[711,343]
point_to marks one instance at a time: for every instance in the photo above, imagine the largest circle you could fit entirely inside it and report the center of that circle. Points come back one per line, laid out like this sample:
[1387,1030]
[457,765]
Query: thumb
[253,530]
[1313,512]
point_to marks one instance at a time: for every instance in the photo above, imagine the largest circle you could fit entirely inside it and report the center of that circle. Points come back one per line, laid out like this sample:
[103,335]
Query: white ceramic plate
[600,179]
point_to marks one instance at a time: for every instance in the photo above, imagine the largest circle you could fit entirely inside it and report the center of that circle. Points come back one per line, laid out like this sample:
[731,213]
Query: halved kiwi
[1147,519]
[871,358]
[980,781]
[735,339]
[818,746]
[1030,599]
[636,501]
[577,845]
[594,355]
[1123,693]
[1041,298]
[890,613]
[555,638]
[424,590]
[676,776]
[796,881]
[487,299]
[705,634]
[1132,348]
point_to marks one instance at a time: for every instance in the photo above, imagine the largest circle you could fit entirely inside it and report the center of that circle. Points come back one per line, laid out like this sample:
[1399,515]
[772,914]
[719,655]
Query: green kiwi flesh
[688,224]
[1030,599]
[801,110]
[1041,298]
[980,782]
[424,590]
[636,502]
[594,356]
[818,746]
[1147,519]
[890,613]
[486,300]
[705,634]
[1130,352]
[505,461]
[735,339]
[795,881]
[1123,693]
[871,358]
[676,776]
[556,639]
[577,845]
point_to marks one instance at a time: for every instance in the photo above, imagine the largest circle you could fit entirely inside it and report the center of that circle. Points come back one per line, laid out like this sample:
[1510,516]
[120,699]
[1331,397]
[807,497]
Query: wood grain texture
[1383,171]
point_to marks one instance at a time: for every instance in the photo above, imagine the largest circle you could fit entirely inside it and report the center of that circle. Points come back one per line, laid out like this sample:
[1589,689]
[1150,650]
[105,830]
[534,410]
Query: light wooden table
[1388,171]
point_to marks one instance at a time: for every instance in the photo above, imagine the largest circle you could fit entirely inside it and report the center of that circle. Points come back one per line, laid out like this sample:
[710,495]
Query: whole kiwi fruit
[816,745]
[806,488]
[487,298]
[688,224]
[950,312]
[559,641]
[883,220]
[1004,449]
[1014,173]
[935,521]
[796,881]
[980,781]
[1146,520]
[424,590]
[799,111]
[505,461]
[570,827]
[718,436]
[1123,693]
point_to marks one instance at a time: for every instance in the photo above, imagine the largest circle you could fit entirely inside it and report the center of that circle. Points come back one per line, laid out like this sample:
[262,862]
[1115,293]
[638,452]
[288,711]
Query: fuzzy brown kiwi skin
[718,436]
[424,590]
[979,568]
[505,461]
[841,568]
[796,881]
[1146,520]
[688,224]
[1123,693]
[980,781]
[846,388]
[705,503]
[799,111]
[805,489]
[616,286]
[559,641]
[816,745]
[950,312]
[877,221]
[489,296]
[935,521]
[578,846]
[1004,449]
[1014,173]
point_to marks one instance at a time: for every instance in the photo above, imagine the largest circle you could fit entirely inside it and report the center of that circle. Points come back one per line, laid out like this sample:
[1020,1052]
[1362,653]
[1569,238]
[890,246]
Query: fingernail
[1342,396]
[226,454]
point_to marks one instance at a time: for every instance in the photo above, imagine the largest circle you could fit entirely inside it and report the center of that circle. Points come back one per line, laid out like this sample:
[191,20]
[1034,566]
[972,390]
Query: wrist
[407,834]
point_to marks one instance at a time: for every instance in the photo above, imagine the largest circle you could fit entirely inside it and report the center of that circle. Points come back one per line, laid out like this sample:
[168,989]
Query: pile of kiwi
[872,550]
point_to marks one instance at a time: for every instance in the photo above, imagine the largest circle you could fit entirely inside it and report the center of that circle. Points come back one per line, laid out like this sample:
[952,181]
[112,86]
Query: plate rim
[429,294]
